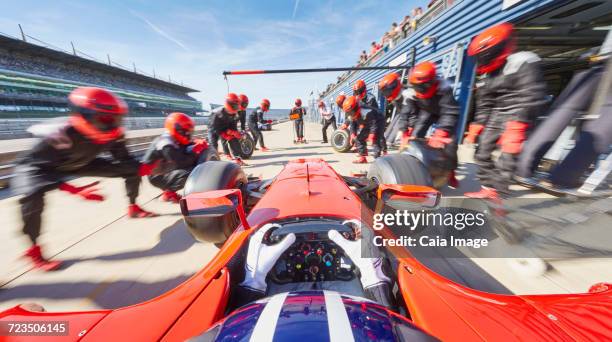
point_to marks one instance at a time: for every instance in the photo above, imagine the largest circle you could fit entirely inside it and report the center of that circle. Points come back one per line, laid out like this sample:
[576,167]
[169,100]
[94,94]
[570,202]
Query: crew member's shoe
[34,254]
[135,211]
[452,180]
[323,142]
[170,196]
[239,161]
[361,160]
[484,193]
[264,149]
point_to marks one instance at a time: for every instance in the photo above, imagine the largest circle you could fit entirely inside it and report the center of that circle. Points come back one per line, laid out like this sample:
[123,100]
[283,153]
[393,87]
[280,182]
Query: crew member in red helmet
[361,92]
[69,147]
[223,125]
[298,112]
[176,154]
[429,101]
[255,119]
[364,120]
[510,93]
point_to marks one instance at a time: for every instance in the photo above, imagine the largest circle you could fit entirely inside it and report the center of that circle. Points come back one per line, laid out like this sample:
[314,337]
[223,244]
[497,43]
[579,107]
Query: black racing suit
[62,152]
[241,118]
[366,124]
[299,123]
[221,121]
[514,92]
[255,118]
[175,162]
[380,144]
[420,114]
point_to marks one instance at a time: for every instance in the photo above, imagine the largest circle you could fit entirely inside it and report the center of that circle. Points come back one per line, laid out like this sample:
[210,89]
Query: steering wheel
[312,257]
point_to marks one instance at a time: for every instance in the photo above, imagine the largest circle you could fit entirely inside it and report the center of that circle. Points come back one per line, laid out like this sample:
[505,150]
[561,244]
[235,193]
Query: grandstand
[35,81]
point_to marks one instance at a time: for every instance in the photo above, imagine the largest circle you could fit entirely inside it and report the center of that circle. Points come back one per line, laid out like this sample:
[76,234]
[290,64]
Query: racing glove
[147,169]
[261,258]
[371,138]
[406,137]
[370,268]
[352,138]
[344,126]
[512,138]
[474,131]
[86,192]
[439,139]
[199,146]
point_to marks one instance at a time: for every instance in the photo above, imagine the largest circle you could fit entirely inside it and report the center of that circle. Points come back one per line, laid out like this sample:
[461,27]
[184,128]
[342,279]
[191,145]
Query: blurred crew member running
[360,91]
[176,154]
[328,119]
[297,114]
[429,102]
[223,124]
[256,118]
[71,147]
[365,122]
[509,95]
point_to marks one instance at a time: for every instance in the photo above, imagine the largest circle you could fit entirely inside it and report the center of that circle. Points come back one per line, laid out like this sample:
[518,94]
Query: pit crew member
[69,147]
[510,93]
[176,154]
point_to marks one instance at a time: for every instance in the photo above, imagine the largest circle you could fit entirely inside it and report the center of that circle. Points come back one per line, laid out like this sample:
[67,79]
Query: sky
[194,41]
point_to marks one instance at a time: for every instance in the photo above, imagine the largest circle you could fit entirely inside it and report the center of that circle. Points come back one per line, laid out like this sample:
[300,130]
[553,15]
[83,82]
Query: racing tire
[399,169]
[247,146]
[214,175]
[210,154]
[340,140]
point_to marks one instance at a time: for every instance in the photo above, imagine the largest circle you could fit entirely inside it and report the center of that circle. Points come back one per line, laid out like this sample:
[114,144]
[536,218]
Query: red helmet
[390,86]
[340,100]
[265,104]
[244,101]
[423,79]
[298,102]
[492,46]
[351,107]
[97,113]
[180,126]
[232,103]
[359,89]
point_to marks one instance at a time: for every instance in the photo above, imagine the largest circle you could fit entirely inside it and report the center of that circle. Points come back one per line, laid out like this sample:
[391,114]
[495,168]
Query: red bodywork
[445,309]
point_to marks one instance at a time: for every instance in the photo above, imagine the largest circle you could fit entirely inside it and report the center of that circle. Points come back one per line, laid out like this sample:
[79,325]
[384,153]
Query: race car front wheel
[214,175]
[340,140]
[399,169]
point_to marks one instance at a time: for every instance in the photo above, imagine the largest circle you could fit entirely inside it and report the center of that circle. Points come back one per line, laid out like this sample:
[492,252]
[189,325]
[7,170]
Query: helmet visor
[184,131]
[104,122]
[389,88]
[423,88]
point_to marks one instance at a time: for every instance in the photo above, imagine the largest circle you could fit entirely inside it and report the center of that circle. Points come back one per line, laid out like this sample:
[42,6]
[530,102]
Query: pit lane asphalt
[113,261]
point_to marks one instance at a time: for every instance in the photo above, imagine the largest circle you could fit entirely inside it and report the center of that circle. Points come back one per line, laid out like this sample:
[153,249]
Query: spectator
[385,40]
[405,26]
[363,58]
[417,13]
[395,31]
[374,47]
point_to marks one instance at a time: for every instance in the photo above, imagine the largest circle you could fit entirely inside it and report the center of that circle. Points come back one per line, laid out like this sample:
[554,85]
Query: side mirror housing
[211,215]
[398,194]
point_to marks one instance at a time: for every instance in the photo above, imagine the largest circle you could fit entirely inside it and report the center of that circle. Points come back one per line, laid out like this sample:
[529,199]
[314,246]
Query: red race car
[295,264]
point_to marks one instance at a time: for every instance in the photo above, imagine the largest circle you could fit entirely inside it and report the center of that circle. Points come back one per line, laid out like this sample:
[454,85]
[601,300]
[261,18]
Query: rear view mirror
[395,195]
[214,204]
